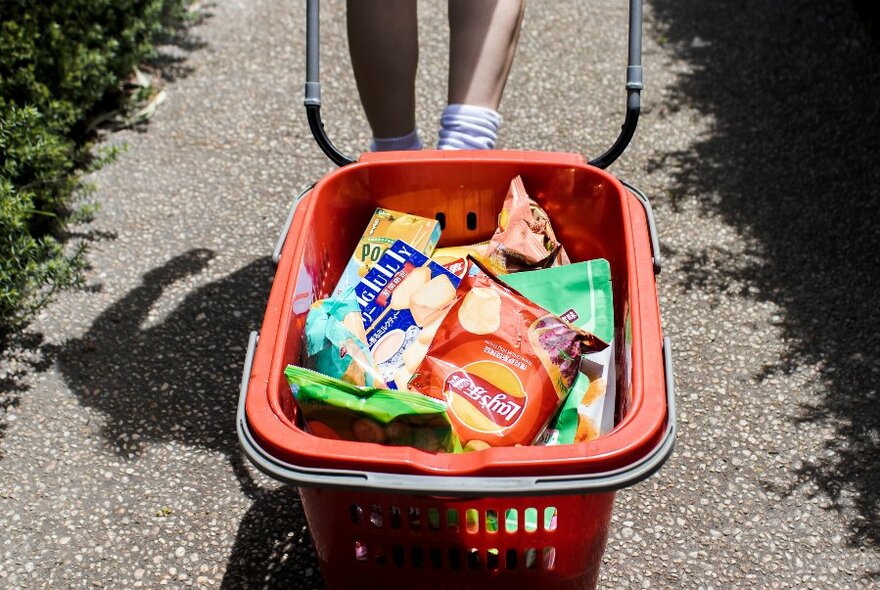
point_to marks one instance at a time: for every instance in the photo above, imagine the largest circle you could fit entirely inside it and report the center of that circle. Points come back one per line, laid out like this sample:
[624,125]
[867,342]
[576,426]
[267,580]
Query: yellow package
[384,229]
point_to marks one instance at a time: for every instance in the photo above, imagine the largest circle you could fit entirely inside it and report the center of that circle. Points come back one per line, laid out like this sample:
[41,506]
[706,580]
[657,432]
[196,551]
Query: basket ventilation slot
[473,559]
[457,559]
[528,520]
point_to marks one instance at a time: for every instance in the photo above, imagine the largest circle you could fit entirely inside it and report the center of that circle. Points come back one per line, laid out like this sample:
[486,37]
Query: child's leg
[384,47]
[483,38]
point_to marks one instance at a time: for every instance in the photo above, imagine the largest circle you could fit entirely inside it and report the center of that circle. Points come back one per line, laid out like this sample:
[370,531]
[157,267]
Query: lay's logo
[498,406]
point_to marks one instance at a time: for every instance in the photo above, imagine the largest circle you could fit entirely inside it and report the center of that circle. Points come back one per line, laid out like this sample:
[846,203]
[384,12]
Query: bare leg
[384,46]
[483,37]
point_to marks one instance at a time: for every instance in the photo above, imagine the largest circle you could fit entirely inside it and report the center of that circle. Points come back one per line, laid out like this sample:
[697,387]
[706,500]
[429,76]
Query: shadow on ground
[23,352]
[273,550]
[176,378]
[19,356]
[792,162]
[175,45]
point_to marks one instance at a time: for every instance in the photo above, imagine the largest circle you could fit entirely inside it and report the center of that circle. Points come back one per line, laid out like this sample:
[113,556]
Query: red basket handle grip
[634,85]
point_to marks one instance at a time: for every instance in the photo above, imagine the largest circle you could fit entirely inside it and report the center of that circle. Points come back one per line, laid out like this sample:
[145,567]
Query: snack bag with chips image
[385,228]
[524,239]
[502,363]
[402,299]
[336,344]
[335,409]
[454,258]
[580,294]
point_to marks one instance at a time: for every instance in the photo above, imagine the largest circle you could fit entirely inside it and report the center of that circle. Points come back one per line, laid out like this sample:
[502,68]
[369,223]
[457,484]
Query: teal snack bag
[335,343]
[581,294]
[338,410]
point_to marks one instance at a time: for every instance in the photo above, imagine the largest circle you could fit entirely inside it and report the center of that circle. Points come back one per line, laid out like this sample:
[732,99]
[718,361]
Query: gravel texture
[119,464]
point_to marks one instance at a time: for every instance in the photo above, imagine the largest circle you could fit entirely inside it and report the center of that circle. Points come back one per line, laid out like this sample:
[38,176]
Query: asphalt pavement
[119,463]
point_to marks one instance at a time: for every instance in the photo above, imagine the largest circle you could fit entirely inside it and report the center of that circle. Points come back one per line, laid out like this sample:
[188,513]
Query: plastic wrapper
[338,410]
[385,228]
[580,294]
[502,363]
[335,342]
[402,300]
[524,239]
[454,258]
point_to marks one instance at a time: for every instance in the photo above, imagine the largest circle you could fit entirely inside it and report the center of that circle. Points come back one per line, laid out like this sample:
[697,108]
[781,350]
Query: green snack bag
[335,342]
[580,294]
[335,409]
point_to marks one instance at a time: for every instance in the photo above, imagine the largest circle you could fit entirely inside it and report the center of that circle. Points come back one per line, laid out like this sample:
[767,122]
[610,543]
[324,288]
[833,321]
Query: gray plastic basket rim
[450,485]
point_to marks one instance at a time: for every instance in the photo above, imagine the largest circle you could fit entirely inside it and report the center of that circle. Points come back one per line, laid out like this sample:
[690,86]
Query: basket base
[396,541]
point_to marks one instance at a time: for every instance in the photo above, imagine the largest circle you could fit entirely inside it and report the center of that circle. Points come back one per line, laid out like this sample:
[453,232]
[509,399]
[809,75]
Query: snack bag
[334,409]
[524,239]
[335,342]
[402,299]
[454,258]
[580,294]
[384,229]
[502,363]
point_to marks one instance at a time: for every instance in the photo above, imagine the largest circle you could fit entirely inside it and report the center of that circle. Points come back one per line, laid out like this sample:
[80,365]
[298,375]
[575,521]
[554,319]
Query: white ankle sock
[468,127]
[410,141]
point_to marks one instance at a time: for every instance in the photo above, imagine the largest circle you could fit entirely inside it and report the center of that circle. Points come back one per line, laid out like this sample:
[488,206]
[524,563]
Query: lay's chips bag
[502,363]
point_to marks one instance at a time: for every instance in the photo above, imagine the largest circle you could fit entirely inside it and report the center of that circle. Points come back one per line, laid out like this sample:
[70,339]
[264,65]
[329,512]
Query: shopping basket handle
[313,86]
[634,85]
[456,486]
[652,226]
[282,238]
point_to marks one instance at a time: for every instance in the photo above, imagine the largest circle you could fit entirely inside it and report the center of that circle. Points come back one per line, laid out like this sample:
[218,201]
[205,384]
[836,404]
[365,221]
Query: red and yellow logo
[485,396]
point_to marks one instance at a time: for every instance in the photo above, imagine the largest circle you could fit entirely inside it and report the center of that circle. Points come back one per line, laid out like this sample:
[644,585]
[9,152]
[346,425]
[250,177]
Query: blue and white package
[403,298]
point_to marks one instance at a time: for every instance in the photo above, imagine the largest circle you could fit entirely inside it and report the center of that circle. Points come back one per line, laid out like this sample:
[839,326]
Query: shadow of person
[176,378]
[791,89]
[273,549]
[173,378]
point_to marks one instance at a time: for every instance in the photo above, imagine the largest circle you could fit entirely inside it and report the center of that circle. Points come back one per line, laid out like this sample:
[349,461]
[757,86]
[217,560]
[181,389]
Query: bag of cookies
[335,409]
[336,343]
[402,299]
[502,363]
[384,229]
[580,294]
[524,239]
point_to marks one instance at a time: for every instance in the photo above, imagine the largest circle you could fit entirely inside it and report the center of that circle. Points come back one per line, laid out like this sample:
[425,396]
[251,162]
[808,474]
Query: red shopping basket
[512,518]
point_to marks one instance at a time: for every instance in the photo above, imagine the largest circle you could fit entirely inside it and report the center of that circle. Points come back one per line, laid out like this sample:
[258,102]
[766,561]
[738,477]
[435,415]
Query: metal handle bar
[634,85]
[313,86]
[455,486]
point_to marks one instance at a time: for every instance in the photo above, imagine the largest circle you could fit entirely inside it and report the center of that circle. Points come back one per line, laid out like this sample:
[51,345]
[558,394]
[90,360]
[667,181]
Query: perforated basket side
[510,543]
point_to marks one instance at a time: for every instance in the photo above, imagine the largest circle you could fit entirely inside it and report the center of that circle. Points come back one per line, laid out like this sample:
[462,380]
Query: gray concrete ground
[120,466]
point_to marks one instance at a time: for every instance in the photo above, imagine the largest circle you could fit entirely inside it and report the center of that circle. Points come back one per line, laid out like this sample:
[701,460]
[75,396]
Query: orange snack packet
[524,239]
[502,363]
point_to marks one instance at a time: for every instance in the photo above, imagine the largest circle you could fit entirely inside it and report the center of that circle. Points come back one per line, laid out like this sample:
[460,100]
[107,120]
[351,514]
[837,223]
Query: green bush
[61,63]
